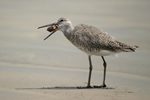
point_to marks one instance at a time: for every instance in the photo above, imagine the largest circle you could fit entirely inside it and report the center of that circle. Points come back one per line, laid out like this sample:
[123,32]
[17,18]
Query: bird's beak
[49,25]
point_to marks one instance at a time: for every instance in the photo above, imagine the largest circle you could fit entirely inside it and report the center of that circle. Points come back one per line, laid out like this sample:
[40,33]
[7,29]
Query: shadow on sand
[63,88]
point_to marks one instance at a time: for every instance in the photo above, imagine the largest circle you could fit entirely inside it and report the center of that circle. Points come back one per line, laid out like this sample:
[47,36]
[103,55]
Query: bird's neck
[68,32]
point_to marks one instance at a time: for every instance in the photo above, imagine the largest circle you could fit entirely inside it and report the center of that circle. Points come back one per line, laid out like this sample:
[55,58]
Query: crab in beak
[51,28]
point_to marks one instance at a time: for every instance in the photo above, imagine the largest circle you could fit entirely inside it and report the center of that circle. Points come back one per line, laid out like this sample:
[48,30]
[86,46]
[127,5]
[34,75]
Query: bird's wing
[93,37]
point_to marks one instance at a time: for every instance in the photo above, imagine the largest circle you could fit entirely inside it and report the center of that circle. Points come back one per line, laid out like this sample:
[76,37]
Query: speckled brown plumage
[91,39]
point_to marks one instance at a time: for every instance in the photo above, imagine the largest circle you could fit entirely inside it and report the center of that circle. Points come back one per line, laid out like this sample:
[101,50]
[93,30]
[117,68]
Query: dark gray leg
[90,72]
[104,64]
[89,78]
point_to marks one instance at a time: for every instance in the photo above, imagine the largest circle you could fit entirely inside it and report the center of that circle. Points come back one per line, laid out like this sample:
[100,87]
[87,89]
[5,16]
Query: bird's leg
[104,64]
[90,72]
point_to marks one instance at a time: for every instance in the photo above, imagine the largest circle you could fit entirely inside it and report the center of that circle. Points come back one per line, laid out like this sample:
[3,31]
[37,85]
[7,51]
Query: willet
[90,40]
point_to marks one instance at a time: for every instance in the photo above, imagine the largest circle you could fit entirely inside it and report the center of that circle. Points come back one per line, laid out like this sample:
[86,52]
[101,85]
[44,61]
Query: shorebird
[90,40]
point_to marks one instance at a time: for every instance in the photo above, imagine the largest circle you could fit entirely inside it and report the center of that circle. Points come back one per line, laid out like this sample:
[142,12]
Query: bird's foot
[87,87]
[101,86]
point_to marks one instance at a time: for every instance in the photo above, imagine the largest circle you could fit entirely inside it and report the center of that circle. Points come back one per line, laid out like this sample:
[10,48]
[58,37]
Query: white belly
[102,53]
[96,52]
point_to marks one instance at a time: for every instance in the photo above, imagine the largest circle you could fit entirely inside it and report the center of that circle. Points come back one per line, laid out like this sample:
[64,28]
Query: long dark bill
[50,34]
[48,26]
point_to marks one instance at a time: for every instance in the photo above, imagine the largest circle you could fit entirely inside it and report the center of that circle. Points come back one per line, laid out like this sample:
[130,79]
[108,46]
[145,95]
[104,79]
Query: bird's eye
[61,20]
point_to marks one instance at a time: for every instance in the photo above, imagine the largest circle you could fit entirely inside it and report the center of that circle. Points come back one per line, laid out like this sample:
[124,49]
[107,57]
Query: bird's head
[63,24]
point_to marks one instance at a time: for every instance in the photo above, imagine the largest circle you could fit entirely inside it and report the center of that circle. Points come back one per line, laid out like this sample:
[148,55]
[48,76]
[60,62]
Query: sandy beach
[38,83]
[33,69]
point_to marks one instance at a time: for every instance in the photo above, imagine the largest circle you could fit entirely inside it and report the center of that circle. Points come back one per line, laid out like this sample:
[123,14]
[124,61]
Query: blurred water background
[22,43]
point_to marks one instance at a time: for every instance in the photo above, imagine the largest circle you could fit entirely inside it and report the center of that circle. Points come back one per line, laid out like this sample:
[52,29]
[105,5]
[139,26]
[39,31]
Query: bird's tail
[127,48]
[131,48]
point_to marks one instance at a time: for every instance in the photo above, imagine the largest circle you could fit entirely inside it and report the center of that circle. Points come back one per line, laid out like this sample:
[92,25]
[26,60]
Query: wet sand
[38,82]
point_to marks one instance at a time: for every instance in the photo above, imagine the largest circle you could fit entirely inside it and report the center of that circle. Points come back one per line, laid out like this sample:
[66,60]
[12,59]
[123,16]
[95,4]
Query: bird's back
[91,39]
